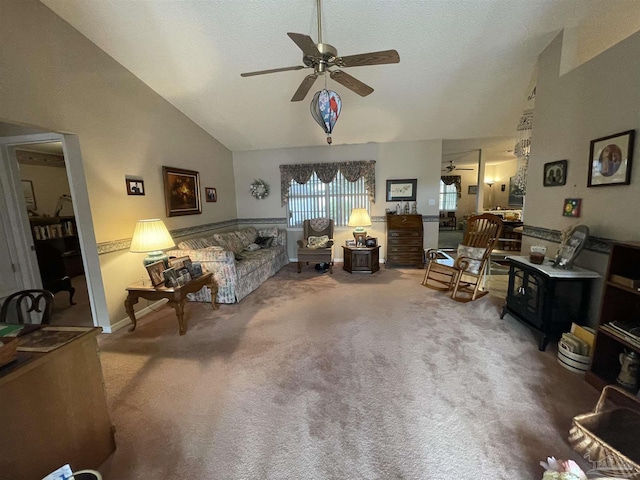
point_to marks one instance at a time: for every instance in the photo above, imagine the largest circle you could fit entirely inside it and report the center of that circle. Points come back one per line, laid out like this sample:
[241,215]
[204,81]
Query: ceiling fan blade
[306,44]
[304,87]
[351,83]
[273,70]
[373,58]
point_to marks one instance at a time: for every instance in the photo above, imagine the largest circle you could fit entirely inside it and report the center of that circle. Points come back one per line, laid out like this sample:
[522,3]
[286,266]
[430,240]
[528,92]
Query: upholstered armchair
[316,245]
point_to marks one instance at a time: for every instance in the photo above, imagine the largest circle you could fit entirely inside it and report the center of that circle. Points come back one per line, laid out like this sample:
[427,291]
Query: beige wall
[49,183]
[420,160]
[598,98]
[57,80]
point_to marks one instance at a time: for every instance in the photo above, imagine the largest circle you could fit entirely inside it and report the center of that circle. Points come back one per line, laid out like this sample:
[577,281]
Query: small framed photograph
[134,187]
[350,243]
[402,190]
[210,194]
[571,207]
[610,160]
[181,191]
[179,262]
[371,242]
[361,239]
[555,173]
[473,190]
[196,270]
[155,272]
[170,277]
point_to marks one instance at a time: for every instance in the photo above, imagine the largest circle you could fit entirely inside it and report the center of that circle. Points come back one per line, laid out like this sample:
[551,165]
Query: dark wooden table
[177,297]
[361,259]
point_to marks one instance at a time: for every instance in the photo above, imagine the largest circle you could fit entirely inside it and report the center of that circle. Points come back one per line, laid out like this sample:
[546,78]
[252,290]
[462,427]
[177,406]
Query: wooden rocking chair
[465,275]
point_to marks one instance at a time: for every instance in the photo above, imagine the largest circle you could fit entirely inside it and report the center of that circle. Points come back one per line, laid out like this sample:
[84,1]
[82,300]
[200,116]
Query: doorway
[19,226]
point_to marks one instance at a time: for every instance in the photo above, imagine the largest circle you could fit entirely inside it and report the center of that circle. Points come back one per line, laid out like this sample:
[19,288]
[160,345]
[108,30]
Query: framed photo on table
[402,190]
[155,272]
[610,160]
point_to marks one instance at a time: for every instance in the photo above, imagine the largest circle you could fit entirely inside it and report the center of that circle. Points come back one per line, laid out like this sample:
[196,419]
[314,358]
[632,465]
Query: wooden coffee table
[177,297]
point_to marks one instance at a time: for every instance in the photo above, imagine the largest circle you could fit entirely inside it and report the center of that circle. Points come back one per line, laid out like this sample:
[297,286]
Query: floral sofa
[240,260]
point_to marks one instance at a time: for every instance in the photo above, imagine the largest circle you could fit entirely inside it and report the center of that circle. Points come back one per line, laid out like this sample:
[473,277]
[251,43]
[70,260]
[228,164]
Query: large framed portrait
[555,173]
[181,191]
[402,190]
[610,160]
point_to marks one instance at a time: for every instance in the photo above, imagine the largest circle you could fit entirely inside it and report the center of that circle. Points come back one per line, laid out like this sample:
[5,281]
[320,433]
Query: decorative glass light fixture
[325,109]
[522,148]
[151,236]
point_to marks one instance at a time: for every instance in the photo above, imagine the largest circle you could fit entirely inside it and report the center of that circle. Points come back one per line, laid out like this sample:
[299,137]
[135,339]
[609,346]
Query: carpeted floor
[319,376]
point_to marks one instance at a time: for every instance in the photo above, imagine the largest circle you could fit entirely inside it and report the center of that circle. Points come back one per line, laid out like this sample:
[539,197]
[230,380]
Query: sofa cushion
[194,244]
[229,241]
[268,232]
[247,235]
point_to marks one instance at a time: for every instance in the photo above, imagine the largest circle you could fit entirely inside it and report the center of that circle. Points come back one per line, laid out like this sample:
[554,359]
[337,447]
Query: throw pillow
[318,242]
[268,232]
[474,254]
[229,241]
[194,244]
[247,235]
[264,242]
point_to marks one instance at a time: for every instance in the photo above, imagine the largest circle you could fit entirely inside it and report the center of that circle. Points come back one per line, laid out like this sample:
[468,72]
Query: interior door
[10,279]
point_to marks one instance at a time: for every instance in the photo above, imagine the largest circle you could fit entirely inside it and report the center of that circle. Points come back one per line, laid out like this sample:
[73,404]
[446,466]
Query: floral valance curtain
[453,179]
[326,172]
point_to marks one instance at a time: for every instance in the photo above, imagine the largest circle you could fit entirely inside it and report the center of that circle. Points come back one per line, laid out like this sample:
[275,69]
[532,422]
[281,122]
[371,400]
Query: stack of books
[573,344]
[628,331]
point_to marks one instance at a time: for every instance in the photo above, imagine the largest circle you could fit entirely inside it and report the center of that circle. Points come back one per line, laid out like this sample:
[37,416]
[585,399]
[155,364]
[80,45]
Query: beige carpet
[319,376]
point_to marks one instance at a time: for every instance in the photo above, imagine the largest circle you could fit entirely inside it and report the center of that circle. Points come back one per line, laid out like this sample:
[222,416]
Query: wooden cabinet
[620,307]
[54,411]
[361,259]
[404,241]
[546,298]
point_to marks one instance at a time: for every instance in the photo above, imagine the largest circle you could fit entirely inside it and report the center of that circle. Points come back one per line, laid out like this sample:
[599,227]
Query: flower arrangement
[259,189]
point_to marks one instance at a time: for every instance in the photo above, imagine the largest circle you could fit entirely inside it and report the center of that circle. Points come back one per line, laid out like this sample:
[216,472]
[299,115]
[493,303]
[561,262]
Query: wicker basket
[608,437]
[8,352]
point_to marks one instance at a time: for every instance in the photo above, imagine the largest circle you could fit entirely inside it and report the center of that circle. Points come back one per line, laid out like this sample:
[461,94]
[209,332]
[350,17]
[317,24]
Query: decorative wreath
[259,189]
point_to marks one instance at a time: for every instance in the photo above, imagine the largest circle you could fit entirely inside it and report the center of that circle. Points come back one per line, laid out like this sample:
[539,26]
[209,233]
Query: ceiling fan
[322,57]
[451,167]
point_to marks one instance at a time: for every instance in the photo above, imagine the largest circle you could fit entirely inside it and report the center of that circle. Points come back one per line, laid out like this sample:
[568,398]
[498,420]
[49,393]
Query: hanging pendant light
[325,109]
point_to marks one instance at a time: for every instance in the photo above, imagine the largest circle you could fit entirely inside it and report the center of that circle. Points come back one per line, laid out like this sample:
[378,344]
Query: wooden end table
[361,259]
[177,297]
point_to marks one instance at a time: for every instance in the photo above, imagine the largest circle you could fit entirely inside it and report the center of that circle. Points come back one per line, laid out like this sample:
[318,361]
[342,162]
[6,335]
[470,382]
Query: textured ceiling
[464,69]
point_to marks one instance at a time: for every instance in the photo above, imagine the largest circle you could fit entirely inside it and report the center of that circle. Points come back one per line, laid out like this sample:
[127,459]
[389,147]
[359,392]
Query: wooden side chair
[317,243]
[464,276]
[27,306]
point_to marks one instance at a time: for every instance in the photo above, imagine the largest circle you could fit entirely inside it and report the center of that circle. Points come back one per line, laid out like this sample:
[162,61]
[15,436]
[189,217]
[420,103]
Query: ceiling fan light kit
[322,57]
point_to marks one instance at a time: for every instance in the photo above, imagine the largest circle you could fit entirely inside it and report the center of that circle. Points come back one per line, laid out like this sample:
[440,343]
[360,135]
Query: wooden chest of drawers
[404,241]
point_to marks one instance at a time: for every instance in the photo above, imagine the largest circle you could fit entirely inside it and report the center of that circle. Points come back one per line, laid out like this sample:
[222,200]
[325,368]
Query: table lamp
[359,218]
[151,237]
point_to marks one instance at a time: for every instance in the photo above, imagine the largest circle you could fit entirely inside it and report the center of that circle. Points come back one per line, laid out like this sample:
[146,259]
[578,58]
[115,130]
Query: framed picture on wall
[210,194]
[555,173]
[402,190]
[473,190]
[134,187]
[181,191]
[29,195]
[610,160]
[516,195]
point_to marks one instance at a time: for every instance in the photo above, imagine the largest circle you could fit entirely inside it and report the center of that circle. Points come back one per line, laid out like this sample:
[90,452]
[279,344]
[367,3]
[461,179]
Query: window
[333,200]
[448,196]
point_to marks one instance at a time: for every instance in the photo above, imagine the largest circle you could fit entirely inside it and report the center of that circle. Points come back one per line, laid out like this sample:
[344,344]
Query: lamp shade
[359,218]
[151,236]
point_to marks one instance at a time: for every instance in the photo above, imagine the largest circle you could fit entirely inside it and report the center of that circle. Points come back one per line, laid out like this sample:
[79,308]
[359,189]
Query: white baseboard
[139,314]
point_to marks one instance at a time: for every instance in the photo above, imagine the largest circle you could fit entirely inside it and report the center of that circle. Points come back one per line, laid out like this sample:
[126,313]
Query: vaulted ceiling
[464,70]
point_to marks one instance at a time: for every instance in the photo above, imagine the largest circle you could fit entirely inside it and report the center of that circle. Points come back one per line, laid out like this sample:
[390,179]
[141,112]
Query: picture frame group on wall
[610,159]
[402,190]
[555,173]
[181,191]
